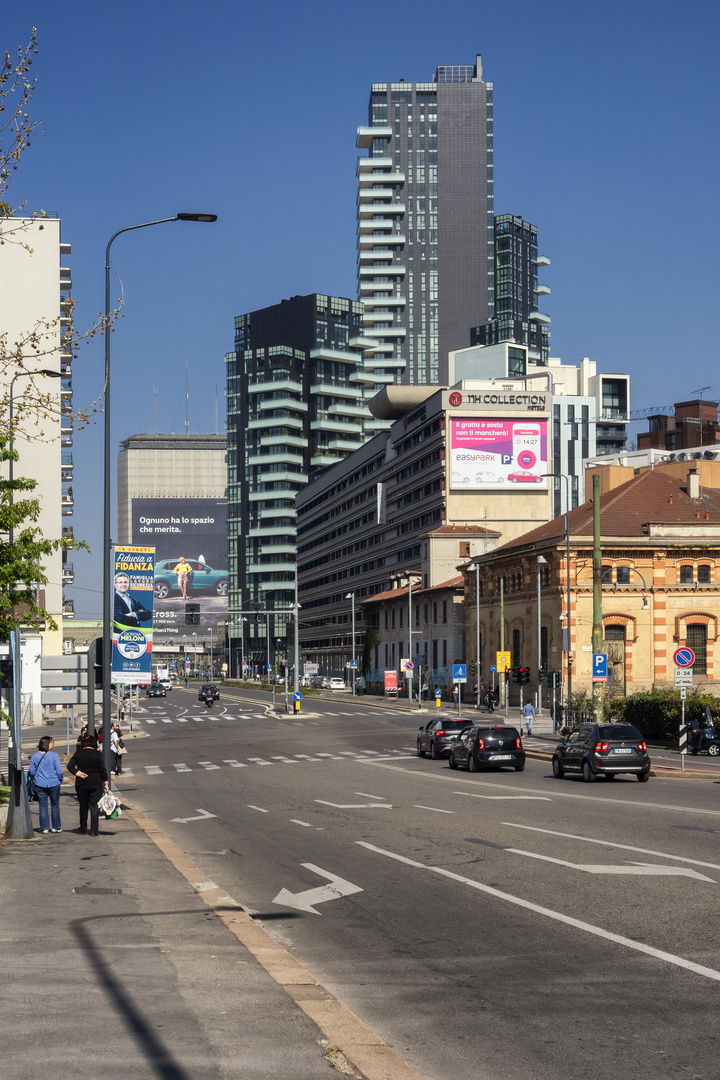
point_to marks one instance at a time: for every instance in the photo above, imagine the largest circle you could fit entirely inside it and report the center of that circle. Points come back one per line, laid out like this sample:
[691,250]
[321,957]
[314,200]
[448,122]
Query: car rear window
[497,732]
[611,732]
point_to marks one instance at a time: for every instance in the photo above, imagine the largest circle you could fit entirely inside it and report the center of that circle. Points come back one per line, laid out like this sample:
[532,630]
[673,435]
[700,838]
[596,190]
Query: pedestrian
[81,736]
[529,715]
[116,746]
[46,772]
[91,776]
[558,719]
[425,691]
[456,693]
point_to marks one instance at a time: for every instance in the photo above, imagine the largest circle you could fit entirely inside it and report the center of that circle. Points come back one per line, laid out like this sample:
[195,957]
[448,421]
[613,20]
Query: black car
[208,690]
[155,689]
[485,746]
[602,750]
[437,737]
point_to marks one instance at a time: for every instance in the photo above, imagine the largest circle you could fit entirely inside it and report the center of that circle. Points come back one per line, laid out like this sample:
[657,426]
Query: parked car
[336,684]
[602,750]
[483,746]
[438,735]
[208,690]
[203,578]
[155,689]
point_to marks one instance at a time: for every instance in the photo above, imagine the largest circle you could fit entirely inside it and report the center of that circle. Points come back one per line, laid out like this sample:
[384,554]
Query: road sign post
[684,659]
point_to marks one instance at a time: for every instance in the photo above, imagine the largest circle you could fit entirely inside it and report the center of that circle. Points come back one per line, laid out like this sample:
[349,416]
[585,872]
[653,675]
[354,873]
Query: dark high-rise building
[425,219]
[517,315]
[295,404]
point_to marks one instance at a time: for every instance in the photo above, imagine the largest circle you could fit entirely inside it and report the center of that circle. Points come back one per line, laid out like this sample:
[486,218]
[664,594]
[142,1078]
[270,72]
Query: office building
[296,404]
[425,219]
[35,318]
[517,291]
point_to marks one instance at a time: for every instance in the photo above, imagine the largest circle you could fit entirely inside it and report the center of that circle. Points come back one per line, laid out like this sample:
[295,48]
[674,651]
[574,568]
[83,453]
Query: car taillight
[602,747]
[439,733]
[480,744]
[518,744]
[641,746]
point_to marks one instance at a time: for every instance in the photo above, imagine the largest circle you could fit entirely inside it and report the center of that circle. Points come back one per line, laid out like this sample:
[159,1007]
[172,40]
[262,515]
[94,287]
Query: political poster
[132,637]
[488,453]
[191,576]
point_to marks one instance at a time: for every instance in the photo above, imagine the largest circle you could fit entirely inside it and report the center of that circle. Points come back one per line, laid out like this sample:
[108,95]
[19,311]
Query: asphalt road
[499,925]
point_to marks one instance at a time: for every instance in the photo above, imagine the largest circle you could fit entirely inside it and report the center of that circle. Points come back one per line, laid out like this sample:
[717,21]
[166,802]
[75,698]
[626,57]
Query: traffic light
[516,673]
[553,678]
[523,675]
[182,649]
[472,669]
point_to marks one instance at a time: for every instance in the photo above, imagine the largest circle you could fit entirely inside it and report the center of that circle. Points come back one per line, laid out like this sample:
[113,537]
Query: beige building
[660,535]
[34,317]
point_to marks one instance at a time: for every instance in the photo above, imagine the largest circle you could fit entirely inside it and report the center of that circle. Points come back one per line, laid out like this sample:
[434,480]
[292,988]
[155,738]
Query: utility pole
[597,630]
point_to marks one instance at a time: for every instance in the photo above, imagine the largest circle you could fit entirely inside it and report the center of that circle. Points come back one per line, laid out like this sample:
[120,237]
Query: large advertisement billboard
[488,453]
[191,577]
[132,637]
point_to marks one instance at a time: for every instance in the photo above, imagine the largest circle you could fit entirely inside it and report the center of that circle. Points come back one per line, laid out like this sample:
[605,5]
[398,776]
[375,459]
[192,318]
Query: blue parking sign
[600,667]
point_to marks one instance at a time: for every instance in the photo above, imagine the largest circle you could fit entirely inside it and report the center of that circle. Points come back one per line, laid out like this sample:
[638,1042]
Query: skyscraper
[295,390]
[517,317]
[425,219]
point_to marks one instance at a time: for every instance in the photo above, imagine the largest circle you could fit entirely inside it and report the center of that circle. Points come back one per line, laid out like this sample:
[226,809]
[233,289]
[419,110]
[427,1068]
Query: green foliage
[656,713]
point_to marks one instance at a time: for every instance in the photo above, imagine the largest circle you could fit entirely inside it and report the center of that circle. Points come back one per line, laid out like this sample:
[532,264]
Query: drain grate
[87,891]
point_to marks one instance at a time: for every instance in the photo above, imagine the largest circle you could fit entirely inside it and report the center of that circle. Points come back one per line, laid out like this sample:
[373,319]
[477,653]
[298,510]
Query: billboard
[132,638]
[488,453]
[191,576]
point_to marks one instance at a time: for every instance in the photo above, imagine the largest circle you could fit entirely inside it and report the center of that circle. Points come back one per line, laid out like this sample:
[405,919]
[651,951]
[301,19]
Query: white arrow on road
[201,815]
[356,806]
[304,901]
[638,868]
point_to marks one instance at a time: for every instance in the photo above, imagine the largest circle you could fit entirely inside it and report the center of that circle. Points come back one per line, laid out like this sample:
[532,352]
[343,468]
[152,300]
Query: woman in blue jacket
[46,772]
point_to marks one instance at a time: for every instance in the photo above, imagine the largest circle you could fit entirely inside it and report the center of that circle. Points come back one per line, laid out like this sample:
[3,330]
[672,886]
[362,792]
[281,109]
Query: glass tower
[425,247]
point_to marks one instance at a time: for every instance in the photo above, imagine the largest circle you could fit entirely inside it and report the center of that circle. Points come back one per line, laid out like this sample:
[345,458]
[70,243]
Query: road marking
[349,753]
[182,767]
[356,806]
[201,816]
[435,808]
[304,901]
[609,843]
[531,798]
[208,765]
[181,719]
[306,757]
[557,916]
[296,821]
[260,761]
[165,720]
[287,760]
[199,719]
[259,808]
[638,869]
[149,721]
[153,769]
[366,796]
[334,757]
[235,764]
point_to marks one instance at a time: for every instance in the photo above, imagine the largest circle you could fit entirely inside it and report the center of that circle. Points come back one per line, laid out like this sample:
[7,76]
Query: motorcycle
[704,739]
[208,699]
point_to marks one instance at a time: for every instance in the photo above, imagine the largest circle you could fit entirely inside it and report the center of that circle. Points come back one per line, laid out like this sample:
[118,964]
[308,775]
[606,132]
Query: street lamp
[476,568]
[19,822]
[351,596]
[107,541]
[242,648]
[541,561]
[566,632]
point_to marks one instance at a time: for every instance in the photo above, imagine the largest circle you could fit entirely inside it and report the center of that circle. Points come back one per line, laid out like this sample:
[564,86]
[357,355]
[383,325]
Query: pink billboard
[489,453]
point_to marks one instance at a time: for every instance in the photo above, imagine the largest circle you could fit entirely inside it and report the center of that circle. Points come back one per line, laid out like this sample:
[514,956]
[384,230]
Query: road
[499,925]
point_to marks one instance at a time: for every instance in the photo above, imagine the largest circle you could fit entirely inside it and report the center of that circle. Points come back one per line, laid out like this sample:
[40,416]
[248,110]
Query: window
[516,648]
[607,575]
[417,614]
[444,610]
[704,574]
[387,616]
[393,618]
[623,575]
[435,612]
[444,652]
[686,575]
[544,647]
[697,641]
[615,632]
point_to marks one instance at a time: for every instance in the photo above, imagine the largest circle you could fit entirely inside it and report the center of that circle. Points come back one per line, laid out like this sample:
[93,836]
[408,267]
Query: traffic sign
[353,664]
[683,676]
[438,692]
[600,668]
[683,693]
[493,667]
[684,657]
[297,696]
[502,659]
[409,666]
[459,673]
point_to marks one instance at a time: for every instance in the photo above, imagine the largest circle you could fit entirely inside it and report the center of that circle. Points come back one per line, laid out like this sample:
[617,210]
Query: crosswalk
[272,759]
[220,714]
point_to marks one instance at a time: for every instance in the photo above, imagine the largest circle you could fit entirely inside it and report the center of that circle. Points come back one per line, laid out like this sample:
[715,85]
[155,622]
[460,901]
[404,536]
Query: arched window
[516,659]
[704,574]
[697,641]
[623,575]
[686,575]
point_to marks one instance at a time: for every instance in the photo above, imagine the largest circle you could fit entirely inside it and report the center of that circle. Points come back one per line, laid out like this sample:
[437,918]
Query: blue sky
[606,137]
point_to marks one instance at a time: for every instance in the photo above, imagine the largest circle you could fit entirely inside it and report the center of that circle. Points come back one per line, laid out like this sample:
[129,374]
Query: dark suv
[488,747]
[437,737]
[602,750]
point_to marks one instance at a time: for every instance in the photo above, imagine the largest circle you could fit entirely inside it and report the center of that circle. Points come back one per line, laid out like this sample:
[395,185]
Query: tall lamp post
[107,541]
[541,561]
[476,568]
[19,822]
[566,631]
[351,596]
[242,648]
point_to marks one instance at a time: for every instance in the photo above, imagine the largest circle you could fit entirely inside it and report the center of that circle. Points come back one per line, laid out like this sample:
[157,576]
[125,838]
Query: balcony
[272,530]
[334,391]
[371,377]
[66,474]
[67,439]
[343,444]
[387,331]
[369,164]
[286,458]
[395,362]
[277,511]
[340,355]
[374,193]
[370,210]
[270,568]
[339,426]
[394,270]
[541,260]
[68,574]
[365,135]
[383,301]
[269,387]
[67,498]
[321,458]
[271,477]
[347,410]
[539,316]
[68,609]
[281,403]
[542,290]
[387,238]
[277,421]
[368,225]
[283,440]
[366,179]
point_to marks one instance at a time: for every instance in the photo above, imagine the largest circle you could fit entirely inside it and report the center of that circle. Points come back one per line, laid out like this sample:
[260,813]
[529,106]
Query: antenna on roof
[701,391]
[155,395]
[187,402]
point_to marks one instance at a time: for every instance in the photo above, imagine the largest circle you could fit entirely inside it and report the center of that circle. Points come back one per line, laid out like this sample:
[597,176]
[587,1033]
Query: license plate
[500,757]
[622,750]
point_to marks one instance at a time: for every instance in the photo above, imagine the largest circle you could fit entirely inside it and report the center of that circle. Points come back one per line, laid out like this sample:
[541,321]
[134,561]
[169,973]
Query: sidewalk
[121,960]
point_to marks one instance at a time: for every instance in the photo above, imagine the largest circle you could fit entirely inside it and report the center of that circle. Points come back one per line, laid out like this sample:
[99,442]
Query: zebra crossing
[272,759]
[201,718]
